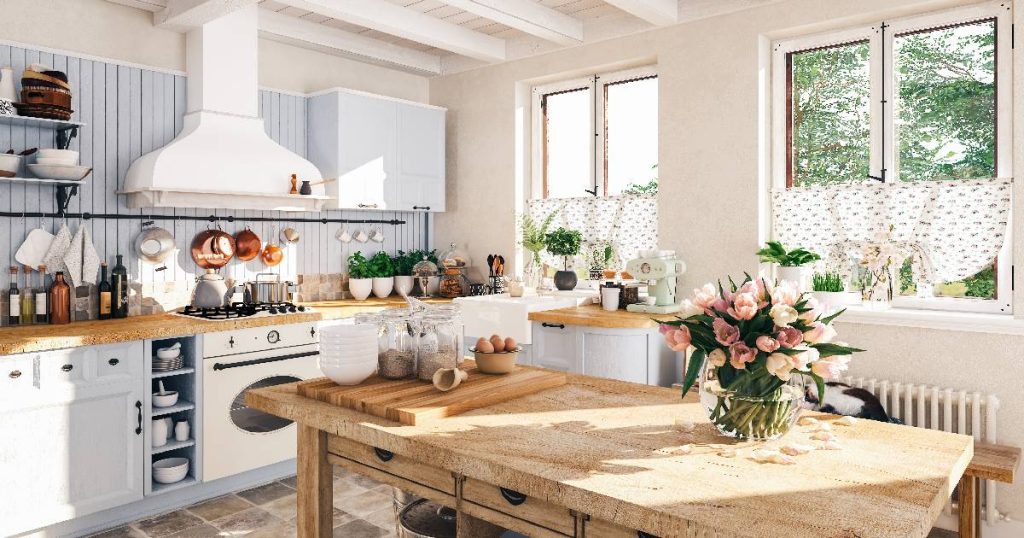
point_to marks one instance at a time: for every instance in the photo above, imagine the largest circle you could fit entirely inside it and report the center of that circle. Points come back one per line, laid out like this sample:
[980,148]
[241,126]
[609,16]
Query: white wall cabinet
[635,355]
[386,153]
[70,437]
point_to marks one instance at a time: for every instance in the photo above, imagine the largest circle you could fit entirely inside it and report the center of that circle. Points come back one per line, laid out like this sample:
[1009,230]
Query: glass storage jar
[438,344]
[455,312]
[396,357]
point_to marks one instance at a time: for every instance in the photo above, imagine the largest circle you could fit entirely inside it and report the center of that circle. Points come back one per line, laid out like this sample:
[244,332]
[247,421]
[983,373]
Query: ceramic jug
[7,84]
[159,432]
[181,430]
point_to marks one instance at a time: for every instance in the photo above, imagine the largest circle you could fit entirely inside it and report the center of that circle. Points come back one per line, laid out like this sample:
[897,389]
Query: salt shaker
[181,430]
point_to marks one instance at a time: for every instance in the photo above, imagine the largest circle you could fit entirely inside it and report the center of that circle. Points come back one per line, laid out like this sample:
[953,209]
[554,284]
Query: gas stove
[241,311]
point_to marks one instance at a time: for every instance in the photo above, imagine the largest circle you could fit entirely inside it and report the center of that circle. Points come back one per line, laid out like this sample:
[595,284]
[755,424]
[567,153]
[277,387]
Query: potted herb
[533,238]
[601,256]
[565,243]
[792,264]
[383,273]
[360,282]
[829,290]
[403,264]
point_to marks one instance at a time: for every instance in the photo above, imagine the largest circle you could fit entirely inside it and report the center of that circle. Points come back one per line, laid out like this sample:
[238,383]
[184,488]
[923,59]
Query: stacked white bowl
[170,470]
[348,353]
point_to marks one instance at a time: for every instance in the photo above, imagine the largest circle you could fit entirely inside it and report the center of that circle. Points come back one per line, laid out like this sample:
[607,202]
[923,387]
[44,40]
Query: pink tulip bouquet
[755,342]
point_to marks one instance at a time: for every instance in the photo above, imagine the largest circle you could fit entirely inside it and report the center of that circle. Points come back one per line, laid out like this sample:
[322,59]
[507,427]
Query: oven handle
[220,366]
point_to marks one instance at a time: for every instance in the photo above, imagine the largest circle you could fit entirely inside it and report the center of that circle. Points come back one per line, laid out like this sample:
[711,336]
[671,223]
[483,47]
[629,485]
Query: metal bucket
[402,499]
[425,519]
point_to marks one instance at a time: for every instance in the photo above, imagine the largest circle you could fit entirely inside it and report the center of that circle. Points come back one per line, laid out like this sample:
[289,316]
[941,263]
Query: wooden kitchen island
[601,458]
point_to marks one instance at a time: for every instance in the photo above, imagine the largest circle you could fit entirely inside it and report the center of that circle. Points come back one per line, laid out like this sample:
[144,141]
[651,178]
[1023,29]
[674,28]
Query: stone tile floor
[362,509]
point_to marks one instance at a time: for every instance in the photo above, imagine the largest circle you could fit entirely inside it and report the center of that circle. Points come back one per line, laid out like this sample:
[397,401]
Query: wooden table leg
[315,495]
[968,496]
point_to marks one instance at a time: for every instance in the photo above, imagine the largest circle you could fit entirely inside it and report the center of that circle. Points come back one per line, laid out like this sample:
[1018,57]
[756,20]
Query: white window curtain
[628,222]
[949,229]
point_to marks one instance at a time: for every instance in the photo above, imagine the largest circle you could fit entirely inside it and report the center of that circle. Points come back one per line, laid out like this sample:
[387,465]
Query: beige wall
[709,167]
[123,34]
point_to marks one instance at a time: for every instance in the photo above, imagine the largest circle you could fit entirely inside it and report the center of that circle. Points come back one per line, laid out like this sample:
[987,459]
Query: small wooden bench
[990,462]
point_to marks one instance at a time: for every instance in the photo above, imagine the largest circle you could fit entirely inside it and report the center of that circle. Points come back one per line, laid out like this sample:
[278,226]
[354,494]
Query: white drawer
[118,360]
[17,374]
[555,347]
[64,366]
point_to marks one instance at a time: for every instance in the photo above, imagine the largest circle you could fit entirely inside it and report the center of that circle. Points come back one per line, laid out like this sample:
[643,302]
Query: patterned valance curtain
[629,222]
[949,229]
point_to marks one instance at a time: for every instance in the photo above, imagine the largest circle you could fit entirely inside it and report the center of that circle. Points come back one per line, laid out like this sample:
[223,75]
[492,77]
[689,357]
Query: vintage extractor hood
[223,158]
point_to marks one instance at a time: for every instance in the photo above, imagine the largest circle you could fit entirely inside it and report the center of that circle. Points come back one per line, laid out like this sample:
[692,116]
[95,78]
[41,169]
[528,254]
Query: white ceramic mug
[361,236]
[159,432]
[181,430]
[378,236]
[343,235]
[610,299]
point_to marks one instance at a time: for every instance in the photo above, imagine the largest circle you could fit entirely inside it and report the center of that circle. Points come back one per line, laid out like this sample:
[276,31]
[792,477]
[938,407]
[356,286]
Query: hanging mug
[361,236]
[343,235]
[378,236]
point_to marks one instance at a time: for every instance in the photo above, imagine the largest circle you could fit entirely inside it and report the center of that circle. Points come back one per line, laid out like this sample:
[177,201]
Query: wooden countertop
[610,449]
[35,338]
[593,315]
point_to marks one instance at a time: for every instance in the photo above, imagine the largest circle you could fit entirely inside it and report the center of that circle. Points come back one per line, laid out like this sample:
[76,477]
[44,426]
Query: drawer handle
[383,455]
[66,368]
[138,407]
[15,374]
[424,207]
[552,325]
[513,497]
[642,534]
[113,362]
[368,206]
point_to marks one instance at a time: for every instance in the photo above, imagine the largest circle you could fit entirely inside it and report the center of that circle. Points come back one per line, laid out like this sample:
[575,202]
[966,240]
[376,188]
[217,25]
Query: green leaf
[828,319]
[693,370]
[831,350]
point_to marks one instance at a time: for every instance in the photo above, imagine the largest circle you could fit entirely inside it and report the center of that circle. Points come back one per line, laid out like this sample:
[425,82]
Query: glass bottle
[437,346]
[27,295]
[60,301]
[14,299]
[397,345]
[42,298]
[104,311]
[119,283]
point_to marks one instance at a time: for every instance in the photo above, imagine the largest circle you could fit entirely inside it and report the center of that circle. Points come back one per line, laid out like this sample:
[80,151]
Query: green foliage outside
[650,187]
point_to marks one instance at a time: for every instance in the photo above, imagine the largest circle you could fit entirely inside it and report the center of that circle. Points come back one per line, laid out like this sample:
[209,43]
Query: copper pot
[247,245]
[212,249]
[273,255]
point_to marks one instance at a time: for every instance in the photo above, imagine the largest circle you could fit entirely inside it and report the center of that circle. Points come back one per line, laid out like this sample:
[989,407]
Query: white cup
[610,299]
[159,432]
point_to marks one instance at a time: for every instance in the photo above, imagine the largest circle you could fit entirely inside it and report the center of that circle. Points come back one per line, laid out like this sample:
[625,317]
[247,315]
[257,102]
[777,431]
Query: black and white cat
[843,399]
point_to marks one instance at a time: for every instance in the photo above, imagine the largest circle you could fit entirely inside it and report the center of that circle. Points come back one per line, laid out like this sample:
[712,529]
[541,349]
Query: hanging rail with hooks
[206,218]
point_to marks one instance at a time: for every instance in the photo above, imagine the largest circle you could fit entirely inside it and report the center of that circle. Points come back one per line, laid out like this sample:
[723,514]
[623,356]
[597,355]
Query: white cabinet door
[72,446]
[421,158]
[615,354]
[368,148]
[554,346]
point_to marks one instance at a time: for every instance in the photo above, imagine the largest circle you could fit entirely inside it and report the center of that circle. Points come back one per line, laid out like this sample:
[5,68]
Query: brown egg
[484,346]
[498,343]
[510,344]
[481,341]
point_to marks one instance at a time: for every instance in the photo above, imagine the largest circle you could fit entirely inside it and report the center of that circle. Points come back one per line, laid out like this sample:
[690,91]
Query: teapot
[211,291]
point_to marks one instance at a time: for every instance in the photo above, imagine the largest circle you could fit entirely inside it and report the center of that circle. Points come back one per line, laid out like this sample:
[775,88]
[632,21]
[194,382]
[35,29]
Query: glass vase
[877,291]
[747,416]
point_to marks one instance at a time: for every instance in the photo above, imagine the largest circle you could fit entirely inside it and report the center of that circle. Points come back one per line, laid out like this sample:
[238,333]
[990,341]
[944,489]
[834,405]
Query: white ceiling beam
[408,24]
[295,31]
[148,5]
[656,12]
[528,16]
[183,15]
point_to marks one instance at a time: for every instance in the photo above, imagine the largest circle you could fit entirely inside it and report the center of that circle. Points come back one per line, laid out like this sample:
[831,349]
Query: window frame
[882,118]
[597,85]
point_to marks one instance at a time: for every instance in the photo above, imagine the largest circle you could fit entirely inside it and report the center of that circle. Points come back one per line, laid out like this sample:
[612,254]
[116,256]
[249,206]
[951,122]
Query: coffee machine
[659,268]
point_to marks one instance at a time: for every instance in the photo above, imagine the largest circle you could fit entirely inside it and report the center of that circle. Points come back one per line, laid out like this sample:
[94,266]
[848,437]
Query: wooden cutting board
[411,402]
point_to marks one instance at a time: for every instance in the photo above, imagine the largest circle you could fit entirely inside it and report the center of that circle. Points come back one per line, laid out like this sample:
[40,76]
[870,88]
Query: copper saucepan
[247,245]
[212,249]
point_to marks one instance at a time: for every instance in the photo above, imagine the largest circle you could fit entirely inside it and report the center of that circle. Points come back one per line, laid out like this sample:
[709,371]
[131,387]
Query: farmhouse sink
[501,314]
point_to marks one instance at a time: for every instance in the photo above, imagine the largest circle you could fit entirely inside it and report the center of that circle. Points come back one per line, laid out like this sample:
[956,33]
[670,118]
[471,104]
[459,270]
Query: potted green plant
[403,263]
[830,290]
[360,281]
[383,273]
[600,257]
[533,238]
[793,265]
[565,243]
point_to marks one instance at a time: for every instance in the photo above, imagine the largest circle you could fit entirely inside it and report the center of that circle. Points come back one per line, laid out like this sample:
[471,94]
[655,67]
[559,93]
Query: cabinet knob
[15,374]
[113,362]
[66,368]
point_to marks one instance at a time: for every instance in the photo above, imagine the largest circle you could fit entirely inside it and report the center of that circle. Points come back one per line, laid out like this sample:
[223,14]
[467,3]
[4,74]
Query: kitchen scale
[659,268]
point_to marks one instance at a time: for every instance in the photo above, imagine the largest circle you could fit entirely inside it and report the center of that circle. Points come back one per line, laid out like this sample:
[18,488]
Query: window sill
[935,319]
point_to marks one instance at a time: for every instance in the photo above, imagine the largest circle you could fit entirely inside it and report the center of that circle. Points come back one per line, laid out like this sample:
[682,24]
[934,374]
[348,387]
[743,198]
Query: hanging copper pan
[247,245]
[212,249]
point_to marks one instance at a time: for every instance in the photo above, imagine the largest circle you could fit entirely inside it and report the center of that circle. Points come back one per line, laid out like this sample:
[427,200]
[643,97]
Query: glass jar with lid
[453,257]
[438,344]
[396,357]
[455,312]
[424,270]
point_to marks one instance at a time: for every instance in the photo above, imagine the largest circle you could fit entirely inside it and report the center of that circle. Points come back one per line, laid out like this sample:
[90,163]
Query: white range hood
[223,157]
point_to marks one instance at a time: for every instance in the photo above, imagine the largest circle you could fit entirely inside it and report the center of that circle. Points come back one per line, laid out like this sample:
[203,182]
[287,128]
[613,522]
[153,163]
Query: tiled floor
[362,509]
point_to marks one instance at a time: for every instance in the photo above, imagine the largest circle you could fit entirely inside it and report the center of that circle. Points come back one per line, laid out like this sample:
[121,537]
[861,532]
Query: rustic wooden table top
[612,450]
[592,315]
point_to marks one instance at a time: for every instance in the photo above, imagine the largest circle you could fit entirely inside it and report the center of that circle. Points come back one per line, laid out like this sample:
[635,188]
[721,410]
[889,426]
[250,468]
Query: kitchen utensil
[305,189]
[610,298]
[377,236]
[501,265]
[164,398]
[267,290]
[290,235]
[169,352]
[496,363]
[181,431]
[55,161]
[247,245]
[349,373]
[7,91]
[154,245]
[447,379]
[490,264]
[67,155]
[361,236]
[10,164]
[33,251]
[170,470]
[343,235]
[272,255]
[212,249]
[158,432]
[211,291]
[663,268]
[60,172]
[294,189]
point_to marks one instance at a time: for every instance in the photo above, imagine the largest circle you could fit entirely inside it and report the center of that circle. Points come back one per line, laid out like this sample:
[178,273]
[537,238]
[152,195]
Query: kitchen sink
[485,315]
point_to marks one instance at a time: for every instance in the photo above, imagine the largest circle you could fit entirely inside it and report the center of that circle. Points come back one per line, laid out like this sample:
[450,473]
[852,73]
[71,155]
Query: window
[596,136]
[923,98]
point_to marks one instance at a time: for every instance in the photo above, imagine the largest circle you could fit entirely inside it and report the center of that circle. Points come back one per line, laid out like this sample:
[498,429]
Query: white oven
[237,438]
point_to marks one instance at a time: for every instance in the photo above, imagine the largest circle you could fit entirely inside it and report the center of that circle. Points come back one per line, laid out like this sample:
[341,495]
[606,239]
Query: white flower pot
[403,285]
[382,286]
[360,288]
[797,275]
[832,300]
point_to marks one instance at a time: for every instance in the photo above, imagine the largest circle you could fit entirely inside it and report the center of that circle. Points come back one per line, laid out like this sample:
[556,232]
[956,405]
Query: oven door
[238,438]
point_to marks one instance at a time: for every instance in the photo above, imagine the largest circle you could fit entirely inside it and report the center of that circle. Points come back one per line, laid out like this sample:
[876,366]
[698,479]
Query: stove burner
[241,310]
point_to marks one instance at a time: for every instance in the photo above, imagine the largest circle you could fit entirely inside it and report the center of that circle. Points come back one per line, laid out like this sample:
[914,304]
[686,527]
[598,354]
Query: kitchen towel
[81,260]
[33,251]
[54,259]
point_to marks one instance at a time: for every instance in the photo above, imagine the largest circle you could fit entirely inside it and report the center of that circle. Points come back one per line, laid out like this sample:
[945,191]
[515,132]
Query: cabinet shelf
[182,405]
[159,488]
[44,181]
[172,373]
[43,123]
[172,445]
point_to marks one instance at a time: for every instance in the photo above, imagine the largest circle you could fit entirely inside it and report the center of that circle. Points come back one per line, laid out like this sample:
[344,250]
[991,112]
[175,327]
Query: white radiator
[956,411]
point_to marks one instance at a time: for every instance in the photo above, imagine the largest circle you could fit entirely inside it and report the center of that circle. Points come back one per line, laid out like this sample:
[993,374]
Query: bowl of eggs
[496,355]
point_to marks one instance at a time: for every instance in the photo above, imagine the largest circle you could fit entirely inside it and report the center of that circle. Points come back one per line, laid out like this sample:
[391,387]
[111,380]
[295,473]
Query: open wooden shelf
[43,181]
[172,373]
[43,123]
[159,488]
[172,444]
[182,405]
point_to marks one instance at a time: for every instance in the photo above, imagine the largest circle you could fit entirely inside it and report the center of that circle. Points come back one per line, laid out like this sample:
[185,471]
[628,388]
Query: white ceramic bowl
[69,156]
[10,163]
[170,470]
[165,400]
[168,353]
[56,160]
[348,331]
[60,172]
[356,358]
[349,373]
[348,348]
